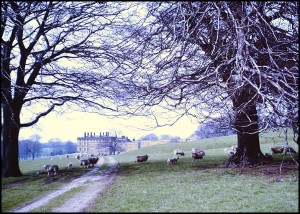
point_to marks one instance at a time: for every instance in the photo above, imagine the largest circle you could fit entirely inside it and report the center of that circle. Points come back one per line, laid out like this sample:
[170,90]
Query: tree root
[241,160]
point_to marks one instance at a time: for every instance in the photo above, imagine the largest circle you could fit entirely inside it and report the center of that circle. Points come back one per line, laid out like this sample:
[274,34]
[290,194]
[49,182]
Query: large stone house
[101,144]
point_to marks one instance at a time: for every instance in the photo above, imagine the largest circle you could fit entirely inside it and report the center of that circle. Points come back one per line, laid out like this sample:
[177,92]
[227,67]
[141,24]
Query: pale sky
[72,125]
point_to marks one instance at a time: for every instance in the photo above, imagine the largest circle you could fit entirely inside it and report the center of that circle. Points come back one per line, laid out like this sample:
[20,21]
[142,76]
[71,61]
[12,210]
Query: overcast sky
[72,125]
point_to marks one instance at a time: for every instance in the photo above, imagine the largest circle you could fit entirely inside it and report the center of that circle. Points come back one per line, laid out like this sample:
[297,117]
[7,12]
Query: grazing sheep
[277,150]
[281,149]
[84,163]
[172,160]
[93,160]
[231,151]
[51,169]
[197,154]
[141,158]
[67,156]
[70,165]
[178,152]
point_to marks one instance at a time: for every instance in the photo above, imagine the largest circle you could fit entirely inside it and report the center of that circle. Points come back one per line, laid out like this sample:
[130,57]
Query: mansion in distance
[101,144]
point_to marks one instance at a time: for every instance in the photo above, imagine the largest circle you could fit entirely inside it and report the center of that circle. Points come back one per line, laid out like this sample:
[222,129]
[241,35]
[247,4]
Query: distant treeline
[30,148]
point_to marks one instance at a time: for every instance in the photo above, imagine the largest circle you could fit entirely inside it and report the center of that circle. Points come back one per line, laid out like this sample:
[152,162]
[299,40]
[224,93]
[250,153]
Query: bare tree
[210,59]
[48,55]
[33,145]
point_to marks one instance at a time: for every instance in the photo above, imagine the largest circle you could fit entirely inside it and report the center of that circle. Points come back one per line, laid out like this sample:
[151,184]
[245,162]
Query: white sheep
[231,151]
[51,169]
[178,152]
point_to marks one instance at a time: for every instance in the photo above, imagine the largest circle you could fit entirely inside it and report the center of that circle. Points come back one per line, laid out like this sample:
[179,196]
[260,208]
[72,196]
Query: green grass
[37,164]
[31,186]
[59,200]
[155,186]
[190,187]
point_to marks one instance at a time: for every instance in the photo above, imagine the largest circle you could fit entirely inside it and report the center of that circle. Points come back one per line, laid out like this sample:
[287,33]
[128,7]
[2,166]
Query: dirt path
[94,182]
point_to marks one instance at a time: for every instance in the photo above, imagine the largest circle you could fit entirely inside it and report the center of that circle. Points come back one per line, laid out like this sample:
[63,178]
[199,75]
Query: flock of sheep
[197,153]
[52,170]
[274,150]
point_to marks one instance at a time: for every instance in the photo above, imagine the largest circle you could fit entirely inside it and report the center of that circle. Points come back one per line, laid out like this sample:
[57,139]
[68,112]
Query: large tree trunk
[11,129]
[246,123]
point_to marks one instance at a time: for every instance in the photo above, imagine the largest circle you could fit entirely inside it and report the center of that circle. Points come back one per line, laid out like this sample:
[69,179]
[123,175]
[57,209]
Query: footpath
[94,182]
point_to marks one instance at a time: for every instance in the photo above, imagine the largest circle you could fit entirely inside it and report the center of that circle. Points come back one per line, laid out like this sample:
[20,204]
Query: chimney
[91,134]
[100,134]
[84,134]
[107,133]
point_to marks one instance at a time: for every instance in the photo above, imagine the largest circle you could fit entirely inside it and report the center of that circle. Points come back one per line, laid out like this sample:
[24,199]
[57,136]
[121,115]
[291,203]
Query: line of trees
[32,148]
[154,137]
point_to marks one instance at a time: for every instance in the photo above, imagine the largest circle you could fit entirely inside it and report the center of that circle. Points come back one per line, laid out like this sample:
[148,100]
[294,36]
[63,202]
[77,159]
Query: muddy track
[95,182]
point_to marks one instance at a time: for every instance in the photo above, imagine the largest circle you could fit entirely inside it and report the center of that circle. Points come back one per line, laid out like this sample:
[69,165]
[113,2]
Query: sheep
[77,157]
[84,163]
[178,152]
[277,150]
[51,169]
[141,158]
[197,154]
[172,160]
[231,151]
[70,165]
[67,156]
[93,160]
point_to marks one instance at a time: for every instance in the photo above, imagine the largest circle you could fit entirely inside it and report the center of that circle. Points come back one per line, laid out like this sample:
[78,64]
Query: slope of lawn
[200,186]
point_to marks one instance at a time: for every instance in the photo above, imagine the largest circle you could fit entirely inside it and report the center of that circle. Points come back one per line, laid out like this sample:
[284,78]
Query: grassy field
[155,186]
